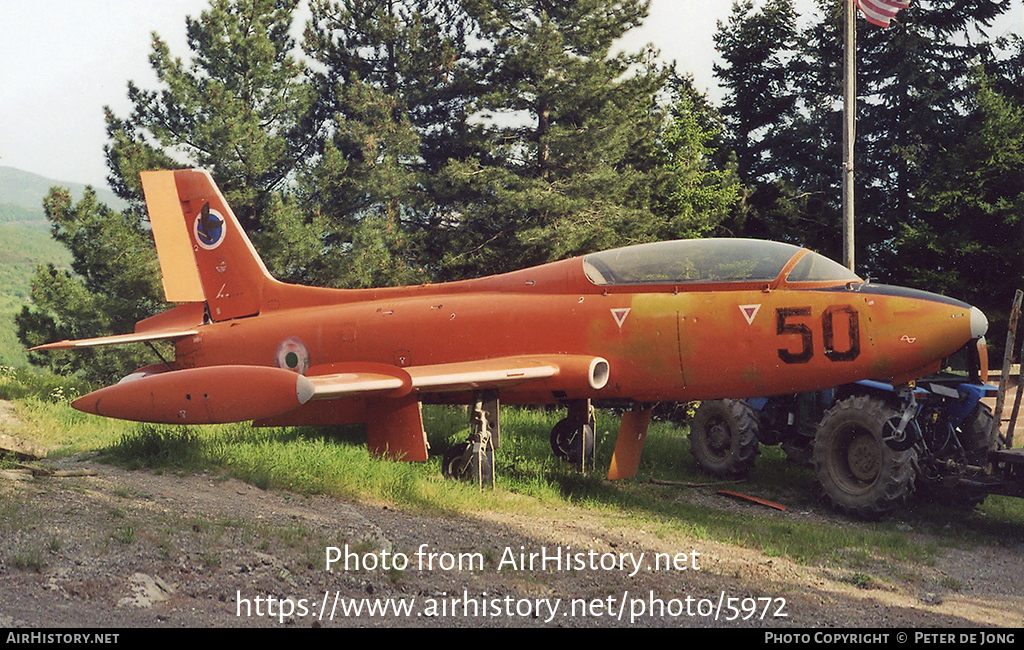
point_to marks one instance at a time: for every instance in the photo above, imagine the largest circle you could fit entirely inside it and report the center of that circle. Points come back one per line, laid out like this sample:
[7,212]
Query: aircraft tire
[860,474]
[450,467]
[575,446]
[478,470]
[723,438]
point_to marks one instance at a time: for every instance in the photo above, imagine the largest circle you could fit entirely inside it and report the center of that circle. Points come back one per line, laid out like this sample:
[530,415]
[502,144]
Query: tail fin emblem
[209,228]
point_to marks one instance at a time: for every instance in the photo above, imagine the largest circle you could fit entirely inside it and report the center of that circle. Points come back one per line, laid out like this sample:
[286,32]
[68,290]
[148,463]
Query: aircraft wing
[346,380]
[475,375]
[135,337]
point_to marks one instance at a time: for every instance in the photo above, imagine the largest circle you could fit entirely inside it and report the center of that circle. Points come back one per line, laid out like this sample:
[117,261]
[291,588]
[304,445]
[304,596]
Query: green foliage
[115,284]
[756,47]
[693,194]
[782,86]
[240,107]
[571,143]
[21,383]
[783,109]
[529,480]
[967,240]
[21,246]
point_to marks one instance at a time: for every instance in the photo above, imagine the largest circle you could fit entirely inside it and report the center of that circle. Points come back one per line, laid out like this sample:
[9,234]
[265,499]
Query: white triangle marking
[749,312]
[620,315]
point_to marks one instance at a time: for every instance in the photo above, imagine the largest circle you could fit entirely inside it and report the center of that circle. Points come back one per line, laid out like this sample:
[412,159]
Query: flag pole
[849,127]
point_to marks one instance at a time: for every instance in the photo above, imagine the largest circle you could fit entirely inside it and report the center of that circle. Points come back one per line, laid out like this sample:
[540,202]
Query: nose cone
[914,330]
[979,323]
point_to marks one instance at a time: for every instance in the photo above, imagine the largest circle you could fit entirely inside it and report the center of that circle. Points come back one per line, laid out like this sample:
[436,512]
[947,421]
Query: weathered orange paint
[200,396]
[668,340]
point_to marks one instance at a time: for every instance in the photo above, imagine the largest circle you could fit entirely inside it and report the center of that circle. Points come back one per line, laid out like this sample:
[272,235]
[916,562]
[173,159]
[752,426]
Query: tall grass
[335,461]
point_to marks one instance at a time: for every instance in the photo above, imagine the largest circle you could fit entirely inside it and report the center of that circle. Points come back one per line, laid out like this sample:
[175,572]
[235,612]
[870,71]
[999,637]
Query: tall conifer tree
[570,135]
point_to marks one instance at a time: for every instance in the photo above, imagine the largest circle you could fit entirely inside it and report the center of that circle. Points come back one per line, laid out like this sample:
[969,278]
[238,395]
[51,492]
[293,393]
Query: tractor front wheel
[860,474]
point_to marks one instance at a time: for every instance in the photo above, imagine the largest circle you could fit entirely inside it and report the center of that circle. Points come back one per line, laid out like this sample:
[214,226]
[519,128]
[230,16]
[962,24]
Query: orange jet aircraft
[669,321]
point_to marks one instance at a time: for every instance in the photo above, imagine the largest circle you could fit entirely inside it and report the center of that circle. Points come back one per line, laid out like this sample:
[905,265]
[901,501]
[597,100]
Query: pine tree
[393,84]
[780,121]
[915,81]
[571,139]
[912,81]
[757,48]
[115,283]
[239,107]
[695,184]
[967,239]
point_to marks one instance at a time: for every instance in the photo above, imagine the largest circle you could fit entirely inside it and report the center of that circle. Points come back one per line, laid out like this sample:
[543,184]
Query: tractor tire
[860,474]
[974,434]
[723,438]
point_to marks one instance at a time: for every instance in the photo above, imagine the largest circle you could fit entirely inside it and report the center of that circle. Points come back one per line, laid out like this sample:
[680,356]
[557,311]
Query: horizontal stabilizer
[117,339]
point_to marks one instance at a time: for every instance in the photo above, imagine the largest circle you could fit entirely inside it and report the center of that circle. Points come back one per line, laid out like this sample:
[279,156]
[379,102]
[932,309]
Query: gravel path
[137,548]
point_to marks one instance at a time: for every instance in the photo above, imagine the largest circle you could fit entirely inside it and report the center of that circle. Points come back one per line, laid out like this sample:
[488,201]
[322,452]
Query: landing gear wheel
[861,475]
[574,443]
[900,440]
[453,465]
[460,462]
[723,438]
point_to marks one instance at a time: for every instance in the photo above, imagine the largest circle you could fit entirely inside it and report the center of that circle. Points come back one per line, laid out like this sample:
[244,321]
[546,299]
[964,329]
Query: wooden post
[1012,424]
[1011,339]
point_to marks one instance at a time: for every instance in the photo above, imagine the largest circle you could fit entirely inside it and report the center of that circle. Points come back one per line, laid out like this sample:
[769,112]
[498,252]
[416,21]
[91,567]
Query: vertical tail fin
[204,254]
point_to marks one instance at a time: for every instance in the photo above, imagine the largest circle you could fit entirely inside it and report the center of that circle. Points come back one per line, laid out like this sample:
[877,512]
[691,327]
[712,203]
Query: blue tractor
[872,445]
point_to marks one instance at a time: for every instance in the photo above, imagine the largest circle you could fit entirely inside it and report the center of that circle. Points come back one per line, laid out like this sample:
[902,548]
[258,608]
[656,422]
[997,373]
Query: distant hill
[25,243]
[21,189]
[14,214]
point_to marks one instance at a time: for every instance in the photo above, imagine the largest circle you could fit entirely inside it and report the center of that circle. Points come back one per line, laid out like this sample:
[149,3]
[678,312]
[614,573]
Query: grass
[334,461]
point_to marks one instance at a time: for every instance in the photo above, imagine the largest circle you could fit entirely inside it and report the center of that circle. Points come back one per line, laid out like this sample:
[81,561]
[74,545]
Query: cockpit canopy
[710,261]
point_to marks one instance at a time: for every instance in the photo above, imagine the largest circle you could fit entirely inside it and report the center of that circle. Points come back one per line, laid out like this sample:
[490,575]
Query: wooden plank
[1011,334]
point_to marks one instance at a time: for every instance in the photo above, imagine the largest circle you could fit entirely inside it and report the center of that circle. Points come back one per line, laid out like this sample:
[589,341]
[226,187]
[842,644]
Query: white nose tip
[979,324]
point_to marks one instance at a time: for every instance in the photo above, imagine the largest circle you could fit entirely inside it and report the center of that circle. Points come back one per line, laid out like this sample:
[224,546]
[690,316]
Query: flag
[880,12]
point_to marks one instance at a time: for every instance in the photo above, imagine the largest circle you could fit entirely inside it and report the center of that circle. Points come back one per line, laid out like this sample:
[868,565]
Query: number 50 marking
[784,326]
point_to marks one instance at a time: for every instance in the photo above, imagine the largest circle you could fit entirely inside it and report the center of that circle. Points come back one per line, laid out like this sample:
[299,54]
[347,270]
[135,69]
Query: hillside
[26,190]
[25,243]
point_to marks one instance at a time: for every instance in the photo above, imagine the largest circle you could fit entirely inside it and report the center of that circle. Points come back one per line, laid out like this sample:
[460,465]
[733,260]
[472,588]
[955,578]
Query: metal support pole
[849,128]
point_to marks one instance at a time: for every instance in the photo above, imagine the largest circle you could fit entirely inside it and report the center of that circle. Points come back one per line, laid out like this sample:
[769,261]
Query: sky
[62,61]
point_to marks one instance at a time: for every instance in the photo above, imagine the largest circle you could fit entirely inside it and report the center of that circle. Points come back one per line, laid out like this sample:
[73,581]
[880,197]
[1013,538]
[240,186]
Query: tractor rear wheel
[860,474]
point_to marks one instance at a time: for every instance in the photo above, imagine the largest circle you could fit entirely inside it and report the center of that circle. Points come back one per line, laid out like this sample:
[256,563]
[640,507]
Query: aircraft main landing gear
[473,460]
[572,439]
